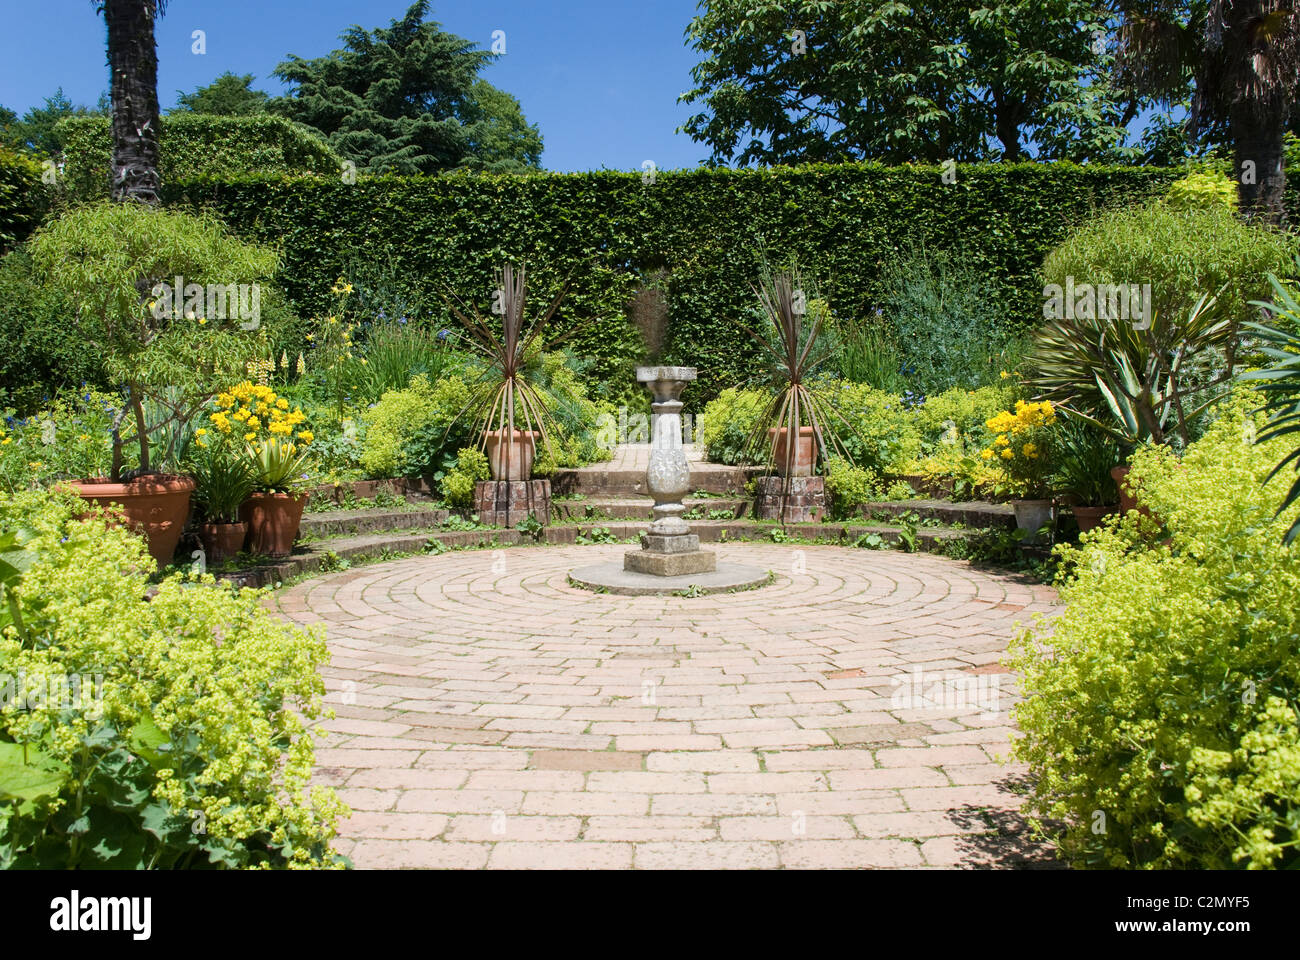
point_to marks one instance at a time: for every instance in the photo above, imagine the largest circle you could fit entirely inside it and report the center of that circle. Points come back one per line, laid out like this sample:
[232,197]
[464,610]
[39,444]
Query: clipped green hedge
[710,228]
[192,146]
[22,198]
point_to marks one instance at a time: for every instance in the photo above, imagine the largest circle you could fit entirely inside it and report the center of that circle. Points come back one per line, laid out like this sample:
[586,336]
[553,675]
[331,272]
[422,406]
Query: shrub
[192,146]
[849,487]
[1181,253]
[727,424]
[409,431]
[1164,697]
[944,311]
[963,413]
[1202,190]
[43,350]
[65,440]
[22,198]
[880,434]
[194,748]
[458,484]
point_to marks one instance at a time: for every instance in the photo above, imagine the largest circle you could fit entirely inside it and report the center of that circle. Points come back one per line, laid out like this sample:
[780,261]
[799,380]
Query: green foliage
[1183,254]
[1165,696]
[766,100]
[222,480]
[227,96]
[959,414]
[728,422]
[848,488]
[162,749]
[406,99]
[712,227]
[107,260]
[880,434]
[22,199]
[1202,190]
[944,309]
[40,129]
[67,439]
[865,354]
[43,352]
[195,145]
[408,431]
[458,484]
[1083,460]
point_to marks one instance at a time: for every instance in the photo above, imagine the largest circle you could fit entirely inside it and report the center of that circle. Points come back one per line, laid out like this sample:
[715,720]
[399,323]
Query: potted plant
[223,480]
[272,439]
[1085,459]
[796,425]
[167,349]
[1023,446]
[515,410]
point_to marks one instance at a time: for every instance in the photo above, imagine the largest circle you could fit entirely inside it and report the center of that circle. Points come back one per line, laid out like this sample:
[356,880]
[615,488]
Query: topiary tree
[109,260]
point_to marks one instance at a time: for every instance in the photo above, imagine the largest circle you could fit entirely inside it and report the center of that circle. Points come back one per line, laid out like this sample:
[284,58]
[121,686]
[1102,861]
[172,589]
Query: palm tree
[133,64]
[1244,59]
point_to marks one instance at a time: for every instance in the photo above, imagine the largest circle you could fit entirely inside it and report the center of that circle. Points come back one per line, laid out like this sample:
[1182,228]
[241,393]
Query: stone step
[974,513]
[599,480]
[638,508]
[342,523]
[316,556]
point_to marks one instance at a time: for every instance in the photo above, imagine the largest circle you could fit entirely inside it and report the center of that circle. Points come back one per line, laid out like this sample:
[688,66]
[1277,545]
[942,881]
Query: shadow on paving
[1005,839]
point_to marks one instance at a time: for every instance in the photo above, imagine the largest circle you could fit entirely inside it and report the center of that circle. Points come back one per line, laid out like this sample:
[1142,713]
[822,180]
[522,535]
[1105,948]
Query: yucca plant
[506,394]
[1138,385]
[278,465]
[795,348]
[1280,383]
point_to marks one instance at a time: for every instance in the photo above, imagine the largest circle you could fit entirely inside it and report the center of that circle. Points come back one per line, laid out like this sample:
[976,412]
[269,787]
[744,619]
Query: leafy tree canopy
[36,130]
[228,96]
[406,99]
[787,81]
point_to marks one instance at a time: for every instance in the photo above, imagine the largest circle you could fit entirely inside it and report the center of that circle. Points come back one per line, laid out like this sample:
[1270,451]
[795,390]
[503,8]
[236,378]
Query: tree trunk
[1257,140]
[133,65]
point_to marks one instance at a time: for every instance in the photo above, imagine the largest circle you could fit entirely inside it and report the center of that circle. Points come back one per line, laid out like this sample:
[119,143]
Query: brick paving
[850,715]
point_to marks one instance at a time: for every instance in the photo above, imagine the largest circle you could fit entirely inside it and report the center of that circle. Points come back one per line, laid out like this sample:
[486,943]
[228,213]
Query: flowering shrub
[185,740]
[1161,721]
[67,440]
[255,413]
[1022,447]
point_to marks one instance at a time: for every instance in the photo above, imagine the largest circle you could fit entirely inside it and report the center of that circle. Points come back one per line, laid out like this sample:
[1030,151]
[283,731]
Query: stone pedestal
[669,549]
[503,503]
[805,501]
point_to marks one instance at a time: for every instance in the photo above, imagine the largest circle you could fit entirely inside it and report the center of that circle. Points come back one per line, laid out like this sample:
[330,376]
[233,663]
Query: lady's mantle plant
[166,733]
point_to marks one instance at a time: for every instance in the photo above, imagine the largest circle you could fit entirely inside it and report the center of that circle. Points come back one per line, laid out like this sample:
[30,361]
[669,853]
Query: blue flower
[444,334]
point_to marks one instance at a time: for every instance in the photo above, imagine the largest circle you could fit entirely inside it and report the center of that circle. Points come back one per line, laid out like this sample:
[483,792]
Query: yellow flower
[306,436]
[1002,441]
[6,441]
[1005,375]
[282,404]
[200,432]
[1007,454]
[250,436]
[988,454]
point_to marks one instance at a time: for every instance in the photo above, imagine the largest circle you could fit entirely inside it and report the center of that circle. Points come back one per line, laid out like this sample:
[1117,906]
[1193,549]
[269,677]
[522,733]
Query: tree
[809,80]
[228,96]
[36,131]
[500,139]
[404,99]
[133,66]
[1242,58]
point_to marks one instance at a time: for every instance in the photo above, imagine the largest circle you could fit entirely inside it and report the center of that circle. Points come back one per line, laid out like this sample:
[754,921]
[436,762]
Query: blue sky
[599,77]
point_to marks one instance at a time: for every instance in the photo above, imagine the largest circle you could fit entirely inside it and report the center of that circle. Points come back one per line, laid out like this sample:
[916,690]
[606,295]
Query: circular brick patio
[850,715]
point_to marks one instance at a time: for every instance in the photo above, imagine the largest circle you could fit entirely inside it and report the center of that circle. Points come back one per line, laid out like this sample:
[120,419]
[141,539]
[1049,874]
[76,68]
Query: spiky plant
[1280,383]
[504,395]
[795,349]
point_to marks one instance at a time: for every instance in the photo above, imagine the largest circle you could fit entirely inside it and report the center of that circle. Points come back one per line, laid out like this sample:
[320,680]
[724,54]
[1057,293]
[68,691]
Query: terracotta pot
[156,507]
[1089,518]
[273,520]
[803,455]
[221,541]
[515,457]
[1031,516]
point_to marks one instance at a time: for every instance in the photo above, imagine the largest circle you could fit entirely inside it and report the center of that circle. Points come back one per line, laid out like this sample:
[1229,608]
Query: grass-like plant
[506,397]
[222,480]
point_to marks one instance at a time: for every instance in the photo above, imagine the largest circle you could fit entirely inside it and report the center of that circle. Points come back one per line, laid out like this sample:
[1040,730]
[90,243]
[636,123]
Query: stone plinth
[804,497]
[503,503]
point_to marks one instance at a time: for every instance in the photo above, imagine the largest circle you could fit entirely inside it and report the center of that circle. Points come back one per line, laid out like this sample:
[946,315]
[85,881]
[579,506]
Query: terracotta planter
[155,507]
[221,541]
[273,520]
[1127,501]
[803,454]
[1031,516]
[511,460]
[1089,518]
